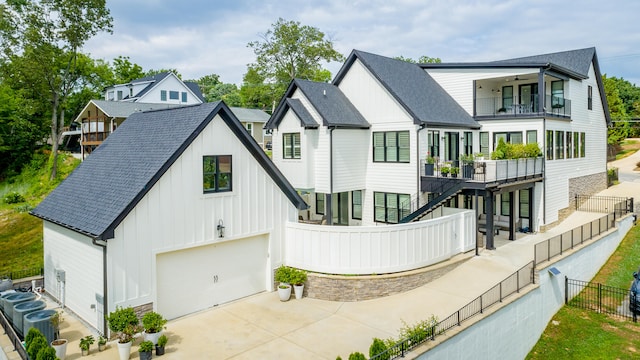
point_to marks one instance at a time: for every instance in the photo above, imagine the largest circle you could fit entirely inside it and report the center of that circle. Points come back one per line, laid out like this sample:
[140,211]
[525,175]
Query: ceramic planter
[124,350]
[298,289]
[284,292]
[60,346]
[153,337]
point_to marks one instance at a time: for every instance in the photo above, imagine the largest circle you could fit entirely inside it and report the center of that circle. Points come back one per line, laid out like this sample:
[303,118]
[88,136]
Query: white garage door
[198,278]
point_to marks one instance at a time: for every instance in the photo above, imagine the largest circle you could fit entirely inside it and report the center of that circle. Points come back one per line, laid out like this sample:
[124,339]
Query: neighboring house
[180,210]
[357,147]
[100,118]
[162,88]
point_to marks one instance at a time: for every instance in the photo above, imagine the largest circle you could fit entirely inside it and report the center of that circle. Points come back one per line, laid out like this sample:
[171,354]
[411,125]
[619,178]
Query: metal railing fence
[598,297]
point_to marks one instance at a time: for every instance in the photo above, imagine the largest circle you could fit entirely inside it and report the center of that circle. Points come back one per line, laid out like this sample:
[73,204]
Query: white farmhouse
[177,211]
[358,147]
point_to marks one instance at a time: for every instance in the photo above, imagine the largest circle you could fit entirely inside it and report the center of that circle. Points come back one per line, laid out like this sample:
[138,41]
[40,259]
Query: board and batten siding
[83,271]
[176,215]
[384,113]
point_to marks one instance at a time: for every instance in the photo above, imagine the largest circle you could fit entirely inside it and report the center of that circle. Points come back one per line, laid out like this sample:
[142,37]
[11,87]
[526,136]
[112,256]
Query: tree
[422,60]
[207,83]
[42,40]
[290,50]
[124,70]
[620,129]
[153,72]
[255,92]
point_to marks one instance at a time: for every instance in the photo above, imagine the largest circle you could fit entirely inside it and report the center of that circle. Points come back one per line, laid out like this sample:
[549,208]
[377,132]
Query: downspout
[544,159]
[330,196]
[422,127]
[105,307]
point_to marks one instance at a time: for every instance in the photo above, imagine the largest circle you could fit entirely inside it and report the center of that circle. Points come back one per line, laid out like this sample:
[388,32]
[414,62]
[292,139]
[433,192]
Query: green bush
[283,274]
[515,151]
[378,347]
[13,197]
[357,356]
[162,340]
[153,322]
[47,353]
[124,322]
[146,346]
[297,276]
[34,347]
[32,334]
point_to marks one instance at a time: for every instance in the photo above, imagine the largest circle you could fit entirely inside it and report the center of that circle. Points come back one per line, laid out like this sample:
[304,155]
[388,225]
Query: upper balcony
[522,95]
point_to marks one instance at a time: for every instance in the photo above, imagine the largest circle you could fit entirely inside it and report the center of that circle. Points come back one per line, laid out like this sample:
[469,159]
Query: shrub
[283,274]
[419,331]
[124,322]
[32,334]
[85,342]
[47,353]
[357,356]
[13,197]
[162,340]
[37,344]
[378,347]
[146,346]
[297,276]
[153,322]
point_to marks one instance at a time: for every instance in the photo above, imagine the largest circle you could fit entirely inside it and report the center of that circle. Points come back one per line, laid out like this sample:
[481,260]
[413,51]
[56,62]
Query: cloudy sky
[200,37]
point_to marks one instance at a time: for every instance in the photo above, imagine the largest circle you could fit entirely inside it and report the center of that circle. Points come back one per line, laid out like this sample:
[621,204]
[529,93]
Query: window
[131,91]
[119,94]
[557,94]
[507,97]
[389,207]
[249,127]
[173,95]
[291,143]
[184,97]
[583,140]
[568,144]
[433,142]
[504,203]
[468,143]
[320,203]
[549,145]
[110,95]
[356,204]
[590,97]
[216,173]
[163,95]
[392,146]
[559,144]
[576,146]
[484,143]
[532,137]
[524,203]
[508,137]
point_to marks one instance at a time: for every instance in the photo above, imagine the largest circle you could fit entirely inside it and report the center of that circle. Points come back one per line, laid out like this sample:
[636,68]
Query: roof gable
[577,61]
[122,109]
[127,165]
[418,93]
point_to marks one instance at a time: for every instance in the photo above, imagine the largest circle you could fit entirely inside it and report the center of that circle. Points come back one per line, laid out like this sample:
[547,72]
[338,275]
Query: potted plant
[283,276]
[444,170]
[85,344]
[58,344]
[298,278]
[102,343]
[162,342]
[124,322]
[145,349]
[153,324]
[454,171]
[428,166]
[284,291]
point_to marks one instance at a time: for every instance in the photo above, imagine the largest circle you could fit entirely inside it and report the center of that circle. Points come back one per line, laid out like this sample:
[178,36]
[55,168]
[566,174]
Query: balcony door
[451,146]
[340,207]
[528,98]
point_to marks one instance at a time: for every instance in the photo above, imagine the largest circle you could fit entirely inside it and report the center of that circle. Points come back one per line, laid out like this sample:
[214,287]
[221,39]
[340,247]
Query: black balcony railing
[485,170]
[529,106]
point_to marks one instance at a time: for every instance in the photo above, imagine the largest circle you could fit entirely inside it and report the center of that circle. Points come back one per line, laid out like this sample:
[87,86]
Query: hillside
[21,233]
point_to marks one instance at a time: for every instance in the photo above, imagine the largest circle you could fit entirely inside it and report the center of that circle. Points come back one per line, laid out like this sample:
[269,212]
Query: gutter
[105,307]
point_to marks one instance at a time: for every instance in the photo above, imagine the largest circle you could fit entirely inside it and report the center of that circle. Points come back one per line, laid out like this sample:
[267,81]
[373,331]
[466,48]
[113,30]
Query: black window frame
[320,199]
[389,216]
[484,148]
[583,144]
[388,150]
[354,210]
[292,146]
[557,94]
[523,204]
[559,148]
[549,153]
[568,143]
[217,174]
[467,142]
[433,143]
[589,97]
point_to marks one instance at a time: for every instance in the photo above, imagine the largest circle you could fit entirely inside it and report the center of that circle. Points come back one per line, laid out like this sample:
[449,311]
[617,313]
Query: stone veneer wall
[583,185]
[143,309]
[357,288]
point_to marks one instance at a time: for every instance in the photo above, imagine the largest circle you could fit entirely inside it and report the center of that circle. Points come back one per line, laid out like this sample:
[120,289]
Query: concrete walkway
[262,327]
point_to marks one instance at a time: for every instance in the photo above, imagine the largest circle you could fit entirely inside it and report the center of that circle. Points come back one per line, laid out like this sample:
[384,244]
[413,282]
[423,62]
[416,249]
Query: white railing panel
[379,249]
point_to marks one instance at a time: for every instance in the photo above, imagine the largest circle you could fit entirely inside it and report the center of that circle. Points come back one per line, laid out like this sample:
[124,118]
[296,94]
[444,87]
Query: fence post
[566,290]
[599,297]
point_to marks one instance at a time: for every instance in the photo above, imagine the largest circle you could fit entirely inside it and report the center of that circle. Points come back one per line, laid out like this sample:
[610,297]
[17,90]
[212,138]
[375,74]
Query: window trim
[163,95]
[388,136]
[217,173]
[589,97]
[353,205]
[401,212]
[549,145]
[291,145]
[320,198]
[568,144]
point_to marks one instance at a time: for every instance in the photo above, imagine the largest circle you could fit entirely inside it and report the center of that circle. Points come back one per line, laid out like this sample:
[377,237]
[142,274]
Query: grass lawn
[583,334]
[628,147]
[21,233]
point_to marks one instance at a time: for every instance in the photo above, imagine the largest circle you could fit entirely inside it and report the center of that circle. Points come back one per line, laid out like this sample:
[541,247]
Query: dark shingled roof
[154,78]
[195,89]
[327,99]
[420,95]
[100,193]
[298,108]
[577,61]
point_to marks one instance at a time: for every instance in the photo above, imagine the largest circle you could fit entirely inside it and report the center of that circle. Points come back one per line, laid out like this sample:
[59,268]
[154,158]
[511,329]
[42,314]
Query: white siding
[351,149]
[176,215]
[82,262]
[169,83]
[300,172]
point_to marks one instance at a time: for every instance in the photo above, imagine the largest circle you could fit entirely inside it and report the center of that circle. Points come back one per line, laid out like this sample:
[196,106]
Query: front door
[451,146]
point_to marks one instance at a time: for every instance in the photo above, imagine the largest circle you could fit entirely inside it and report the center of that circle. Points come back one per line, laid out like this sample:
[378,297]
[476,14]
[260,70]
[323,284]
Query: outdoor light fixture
[554,271]
[220,229]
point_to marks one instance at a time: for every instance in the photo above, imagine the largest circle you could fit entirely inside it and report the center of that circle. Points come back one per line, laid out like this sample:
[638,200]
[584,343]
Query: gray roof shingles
[332,105]
[417,91]
[578,61]
[302,113]
[110,182]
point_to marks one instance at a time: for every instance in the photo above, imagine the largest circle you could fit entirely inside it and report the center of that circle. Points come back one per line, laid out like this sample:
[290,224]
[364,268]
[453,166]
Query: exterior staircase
[447,193]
